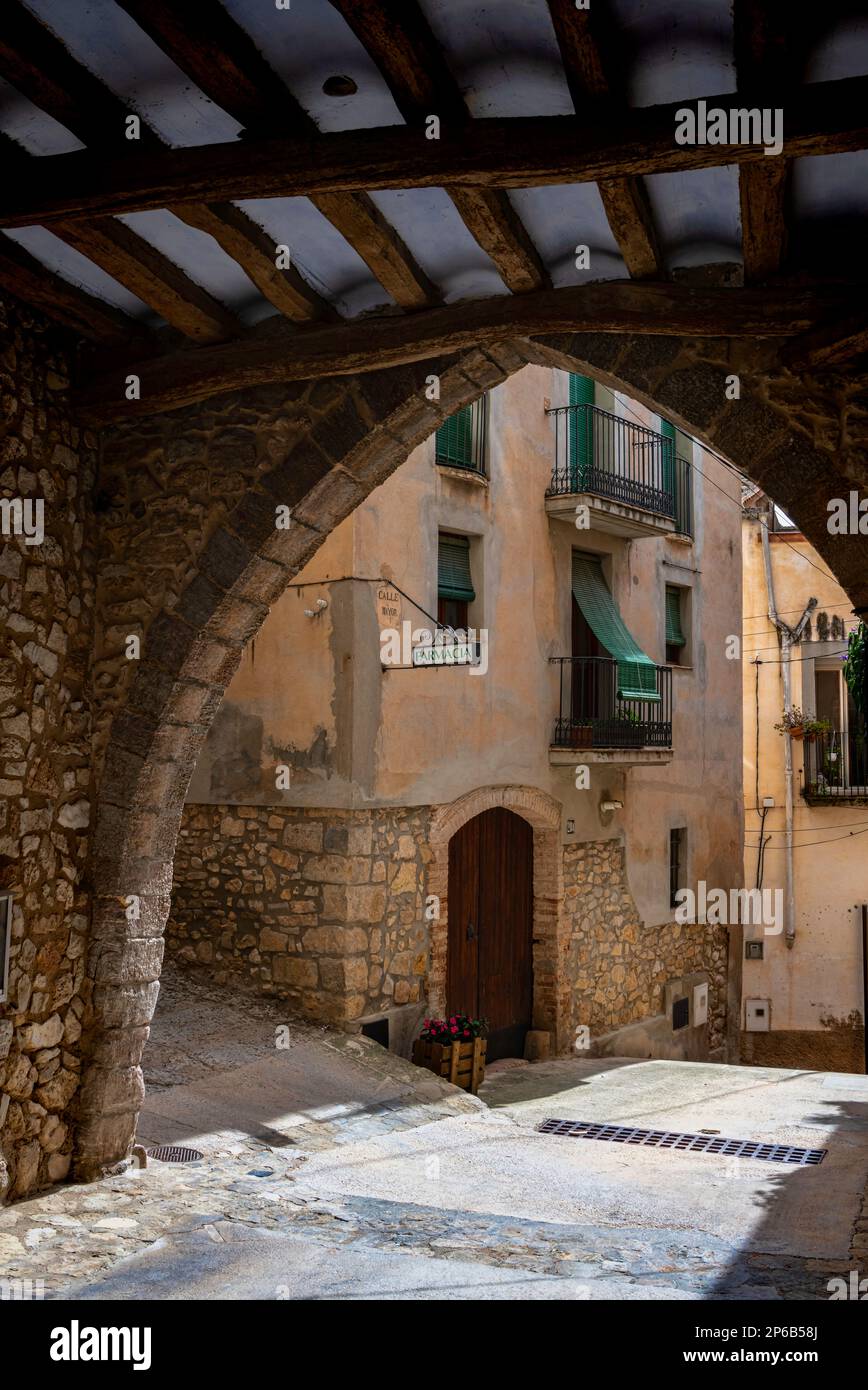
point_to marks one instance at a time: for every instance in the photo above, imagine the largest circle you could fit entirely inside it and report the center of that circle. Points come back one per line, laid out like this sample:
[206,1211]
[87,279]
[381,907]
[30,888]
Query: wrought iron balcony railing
[836,768]
[591,714]
[601,453]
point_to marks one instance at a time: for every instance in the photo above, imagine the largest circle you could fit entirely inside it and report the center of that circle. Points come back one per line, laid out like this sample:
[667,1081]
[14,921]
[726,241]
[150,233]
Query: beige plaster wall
[356,734]
[815,986]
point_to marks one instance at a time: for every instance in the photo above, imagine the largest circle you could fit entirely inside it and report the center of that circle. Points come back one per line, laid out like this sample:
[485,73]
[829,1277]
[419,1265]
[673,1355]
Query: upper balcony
[628,476]
[836,769]
[612,712]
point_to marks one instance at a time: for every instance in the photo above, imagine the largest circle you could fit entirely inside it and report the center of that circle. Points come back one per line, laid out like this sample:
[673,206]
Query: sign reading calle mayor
[388,606]
[441,654]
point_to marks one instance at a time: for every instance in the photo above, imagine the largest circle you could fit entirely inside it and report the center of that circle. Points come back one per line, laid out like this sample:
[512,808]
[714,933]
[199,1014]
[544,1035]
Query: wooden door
[490,954]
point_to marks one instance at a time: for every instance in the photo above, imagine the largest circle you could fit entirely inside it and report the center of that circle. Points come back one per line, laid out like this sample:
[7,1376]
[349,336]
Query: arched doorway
[489,967]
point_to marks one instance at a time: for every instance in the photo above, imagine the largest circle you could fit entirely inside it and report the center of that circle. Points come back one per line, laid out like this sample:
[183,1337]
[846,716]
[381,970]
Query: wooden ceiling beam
[831,344]
[373,343]
[35,61]
[397,36]
[820,118]
[134,263]
[589,57]
[760,41]
[27,278]
[210,48]
[152,277]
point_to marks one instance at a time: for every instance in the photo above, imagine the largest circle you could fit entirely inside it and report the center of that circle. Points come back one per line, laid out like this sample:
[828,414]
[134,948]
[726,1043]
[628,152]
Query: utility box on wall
[700,1005]
[757,1015]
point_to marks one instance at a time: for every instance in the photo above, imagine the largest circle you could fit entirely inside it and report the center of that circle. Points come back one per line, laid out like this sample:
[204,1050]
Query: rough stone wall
[322,908]
[46,791]
[619,965]
[326,909]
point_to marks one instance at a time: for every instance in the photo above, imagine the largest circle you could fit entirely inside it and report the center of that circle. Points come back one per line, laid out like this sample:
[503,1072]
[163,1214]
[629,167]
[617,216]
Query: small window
[677,857]
[454,582]
[460,441]
[676,642]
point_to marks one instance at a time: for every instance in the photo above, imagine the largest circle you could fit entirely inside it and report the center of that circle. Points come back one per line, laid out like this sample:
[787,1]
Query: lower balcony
[836,769]
[604,718]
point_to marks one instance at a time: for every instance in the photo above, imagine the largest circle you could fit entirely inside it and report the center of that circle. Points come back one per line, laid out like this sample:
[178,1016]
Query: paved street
[418,1191]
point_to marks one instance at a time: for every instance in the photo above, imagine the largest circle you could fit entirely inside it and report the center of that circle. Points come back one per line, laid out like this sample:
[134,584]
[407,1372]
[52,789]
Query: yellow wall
[819,979]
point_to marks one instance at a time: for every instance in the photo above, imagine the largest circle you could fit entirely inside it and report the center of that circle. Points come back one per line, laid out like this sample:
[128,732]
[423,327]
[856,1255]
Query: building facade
[517,736]
[803,986]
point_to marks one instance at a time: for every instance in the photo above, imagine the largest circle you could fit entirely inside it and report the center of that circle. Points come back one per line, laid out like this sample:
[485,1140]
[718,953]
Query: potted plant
[581,735]
[799,726]
[832,767]
[631,733]
[453,1048]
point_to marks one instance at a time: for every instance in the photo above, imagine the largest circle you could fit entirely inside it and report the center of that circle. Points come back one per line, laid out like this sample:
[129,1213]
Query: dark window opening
[452,612]
[378,1031]
[677,846]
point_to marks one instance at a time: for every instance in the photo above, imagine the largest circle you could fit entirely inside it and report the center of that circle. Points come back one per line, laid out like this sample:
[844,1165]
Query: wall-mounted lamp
[607,807]
[321,603]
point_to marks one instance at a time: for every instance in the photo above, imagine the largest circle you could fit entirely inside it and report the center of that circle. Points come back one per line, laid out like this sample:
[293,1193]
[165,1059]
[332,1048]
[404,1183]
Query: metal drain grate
[172,1153]
[684,1143]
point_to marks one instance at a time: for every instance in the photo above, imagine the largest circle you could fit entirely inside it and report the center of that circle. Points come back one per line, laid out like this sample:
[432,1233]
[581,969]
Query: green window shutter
[454,439]
[637,674]
[668,431]
[581,440]
[453,569]
[674,633]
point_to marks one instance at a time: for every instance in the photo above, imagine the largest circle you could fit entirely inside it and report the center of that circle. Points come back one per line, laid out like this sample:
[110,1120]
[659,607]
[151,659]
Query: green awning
[637,674]
[453,569]
[674,634]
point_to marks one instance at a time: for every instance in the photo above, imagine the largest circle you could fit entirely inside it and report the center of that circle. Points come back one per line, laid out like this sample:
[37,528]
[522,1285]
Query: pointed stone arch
[797,437]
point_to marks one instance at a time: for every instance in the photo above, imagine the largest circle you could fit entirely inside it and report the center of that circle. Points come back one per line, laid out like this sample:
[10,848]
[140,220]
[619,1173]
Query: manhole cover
[173,1153]
[673,1141]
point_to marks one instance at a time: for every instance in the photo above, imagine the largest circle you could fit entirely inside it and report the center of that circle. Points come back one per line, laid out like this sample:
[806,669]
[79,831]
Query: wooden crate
[461,1063]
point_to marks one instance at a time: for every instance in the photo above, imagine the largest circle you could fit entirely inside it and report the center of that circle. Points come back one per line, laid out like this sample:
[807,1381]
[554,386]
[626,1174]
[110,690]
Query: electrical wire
[851,836]
[804,829]
[752,651]
[768,661]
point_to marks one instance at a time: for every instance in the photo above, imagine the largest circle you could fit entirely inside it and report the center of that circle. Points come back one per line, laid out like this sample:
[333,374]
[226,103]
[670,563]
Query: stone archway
[344,437]
[551,1003]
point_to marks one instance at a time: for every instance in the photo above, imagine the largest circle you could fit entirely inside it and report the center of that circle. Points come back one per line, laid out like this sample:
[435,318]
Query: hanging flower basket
[454,1049]
[799,726]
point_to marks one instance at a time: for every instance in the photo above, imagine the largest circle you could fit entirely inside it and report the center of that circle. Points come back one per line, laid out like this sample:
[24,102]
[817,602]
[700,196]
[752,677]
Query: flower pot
[799,734]
[581,736]
[461,1063]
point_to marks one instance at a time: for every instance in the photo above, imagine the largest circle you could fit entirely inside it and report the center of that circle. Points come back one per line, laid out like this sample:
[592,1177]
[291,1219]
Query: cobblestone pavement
[73,1235]
[123,1216]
